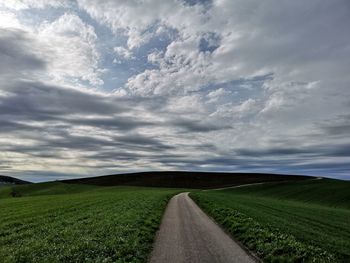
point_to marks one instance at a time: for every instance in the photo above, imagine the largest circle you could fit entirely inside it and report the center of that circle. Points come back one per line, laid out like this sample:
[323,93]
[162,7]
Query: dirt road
[187,234]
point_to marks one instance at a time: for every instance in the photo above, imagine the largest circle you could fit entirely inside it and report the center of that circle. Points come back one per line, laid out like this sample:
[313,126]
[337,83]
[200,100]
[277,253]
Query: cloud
[28,100]
[19,52]
[243,109]
[62,125]
[251,43]
[209,42]
[206,85]
[338,126]
[64,50]
[73,48]
[216,94]
[132,17]
[122,53]
[27,4]
[197,126]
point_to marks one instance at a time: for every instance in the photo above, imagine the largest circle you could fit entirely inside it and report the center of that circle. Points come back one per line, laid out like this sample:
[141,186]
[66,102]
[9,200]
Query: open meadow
[290,221]
[56,222]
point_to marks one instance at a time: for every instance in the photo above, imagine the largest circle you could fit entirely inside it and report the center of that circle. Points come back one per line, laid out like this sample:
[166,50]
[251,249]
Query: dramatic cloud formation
[90,87]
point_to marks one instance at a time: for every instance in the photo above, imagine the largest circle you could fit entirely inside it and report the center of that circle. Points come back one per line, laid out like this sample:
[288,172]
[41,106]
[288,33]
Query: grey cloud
[136,139]
[325,168]
[16,52]
[328,150]
[342,150]
[94,143]
[47,115]
[57,109]
[258,165]
[338,129]
[35,100]
[274,152]
[114,155]
[196,2]
[119,123]
[209,42]
[197,126]
[11,126]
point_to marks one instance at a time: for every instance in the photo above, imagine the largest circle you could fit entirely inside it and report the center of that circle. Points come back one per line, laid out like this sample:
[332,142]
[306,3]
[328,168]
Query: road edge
[249,252]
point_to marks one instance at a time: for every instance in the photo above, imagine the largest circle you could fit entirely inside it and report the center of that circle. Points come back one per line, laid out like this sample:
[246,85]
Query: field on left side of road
[99,224]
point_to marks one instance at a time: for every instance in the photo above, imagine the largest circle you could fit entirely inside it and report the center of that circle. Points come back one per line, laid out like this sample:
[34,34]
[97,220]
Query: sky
[100,87]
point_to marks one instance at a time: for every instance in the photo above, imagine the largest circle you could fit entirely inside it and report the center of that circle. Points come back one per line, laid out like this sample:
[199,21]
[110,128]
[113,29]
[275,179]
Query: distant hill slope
[11,180]
[48,188]
[330,192]
[179,179]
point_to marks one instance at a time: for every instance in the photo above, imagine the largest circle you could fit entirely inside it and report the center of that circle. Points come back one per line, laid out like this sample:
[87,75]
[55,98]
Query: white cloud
[189,105]
[9,20]
[73,49]
[27,4]
[67,46]
[155,57]
[233,111]
[135,17]
[216,94]
[251,41]
[122,53]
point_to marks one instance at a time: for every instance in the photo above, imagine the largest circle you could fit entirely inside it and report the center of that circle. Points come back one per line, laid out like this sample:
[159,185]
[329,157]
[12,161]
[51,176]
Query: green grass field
[303,221]
[306,221]
[54,222]
[50,188]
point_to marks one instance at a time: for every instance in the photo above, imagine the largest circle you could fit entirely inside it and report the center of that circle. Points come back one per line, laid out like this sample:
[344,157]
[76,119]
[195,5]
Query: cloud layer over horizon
[90,88]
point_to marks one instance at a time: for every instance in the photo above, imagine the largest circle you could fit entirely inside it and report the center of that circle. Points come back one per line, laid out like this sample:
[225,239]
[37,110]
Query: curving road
[188,235]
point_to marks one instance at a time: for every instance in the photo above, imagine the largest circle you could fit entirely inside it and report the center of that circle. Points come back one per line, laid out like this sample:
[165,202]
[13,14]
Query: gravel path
[187,234]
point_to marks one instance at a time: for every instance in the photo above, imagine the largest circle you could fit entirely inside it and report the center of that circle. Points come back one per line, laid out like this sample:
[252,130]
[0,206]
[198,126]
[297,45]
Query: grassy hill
[305,221]
[182,179]
[328,192]
[189,180]
[90,220]
[49,188]
[4,180]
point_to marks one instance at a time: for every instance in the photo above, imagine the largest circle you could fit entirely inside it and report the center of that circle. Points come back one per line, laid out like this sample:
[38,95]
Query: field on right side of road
[305,221]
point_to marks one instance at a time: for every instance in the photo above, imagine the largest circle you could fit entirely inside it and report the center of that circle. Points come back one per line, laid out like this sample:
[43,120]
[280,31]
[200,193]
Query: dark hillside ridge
[11,180]
[184,179]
